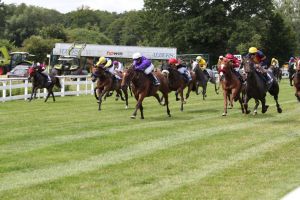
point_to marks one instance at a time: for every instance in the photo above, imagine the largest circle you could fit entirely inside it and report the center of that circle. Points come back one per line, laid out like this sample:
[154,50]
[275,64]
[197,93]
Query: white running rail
[18,88]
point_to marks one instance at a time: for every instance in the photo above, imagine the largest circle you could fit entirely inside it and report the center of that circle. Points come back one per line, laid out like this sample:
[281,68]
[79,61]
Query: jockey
[118,66]
[260,61]
[292,62]
[202,64]
[275,63]
[181,68]
[41,69]
[107,64]
[235,64]
[141,63]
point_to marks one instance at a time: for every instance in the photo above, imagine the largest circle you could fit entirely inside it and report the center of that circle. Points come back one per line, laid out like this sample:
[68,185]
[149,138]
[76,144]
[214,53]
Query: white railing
[77,87]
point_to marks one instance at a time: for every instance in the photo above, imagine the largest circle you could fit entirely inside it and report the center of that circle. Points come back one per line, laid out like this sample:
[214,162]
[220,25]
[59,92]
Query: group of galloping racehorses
[142,87]
[234,89]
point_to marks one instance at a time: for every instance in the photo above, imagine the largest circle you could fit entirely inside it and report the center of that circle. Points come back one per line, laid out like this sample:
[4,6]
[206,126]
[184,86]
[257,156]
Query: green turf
[70,150]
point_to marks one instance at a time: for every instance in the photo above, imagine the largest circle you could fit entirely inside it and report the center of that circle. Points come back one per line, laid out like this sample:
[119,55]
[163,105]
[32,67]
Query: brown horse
[296,79]
[231,84]
[177,83]
[40,81]
[106,83]
[142,87]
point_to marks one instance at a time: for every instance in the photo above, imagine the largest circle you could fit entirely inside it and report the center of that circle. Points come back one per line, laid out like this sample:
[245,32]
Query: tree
[87,36]
[27,21]
[39,46]
[54,31]
[2,18]
[281,39]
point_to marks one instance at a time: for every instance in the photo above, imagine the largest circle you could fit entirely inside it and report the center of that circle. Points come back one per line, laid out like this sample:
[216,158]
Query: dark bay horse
[142,87]
[106,83]
[231,84]
[202,80]
[40,81]
[177,83]
[256,88]
[296,79]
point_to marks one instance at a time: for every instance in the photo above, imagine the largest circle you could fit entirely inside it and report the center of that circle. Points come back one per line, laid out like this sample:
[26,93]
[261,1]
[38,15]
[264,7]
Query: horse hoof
[132,117]
[265,110]
[255,113]
[177,99]
[116,99]
[279,110]
[126,107]
[248,112]
[224,114]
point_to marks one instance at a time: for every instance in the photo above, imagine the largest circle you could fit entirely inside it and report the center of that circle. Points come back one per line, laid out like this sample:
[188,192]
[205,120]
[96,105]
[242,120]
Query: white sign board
[92,50]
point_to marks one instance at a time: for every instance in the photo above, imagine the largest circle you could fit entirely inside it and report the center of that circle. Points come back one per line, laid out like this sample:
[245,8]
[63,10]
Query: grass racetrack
[70,150]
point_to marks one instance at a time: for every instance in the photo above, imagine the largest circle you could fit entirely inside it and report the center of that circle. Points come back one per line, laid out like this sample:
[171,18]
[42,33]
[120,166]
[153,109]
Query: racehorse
[292,70]
[40,81]
[105,84]
[142,87]
[177,83]
[256,88]
[231,84]
[296,79]
[202,79]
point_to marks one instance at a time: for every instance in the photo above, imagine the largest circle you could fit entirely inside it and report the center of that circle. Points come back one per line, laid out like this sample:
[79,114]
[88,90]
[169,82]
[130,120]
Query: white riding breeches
[149,69]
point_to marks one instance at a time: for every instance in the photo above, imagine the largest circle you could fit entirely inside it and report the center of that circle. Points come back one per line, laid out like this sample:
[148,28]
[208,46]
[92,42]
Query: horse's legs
[48,95]
[124,89]
[95,93]
[216,89]
[165,95]
[264,106]
[181,98]
[176,95]
[53,96]
[156,95]
[204,90]
[32,93]
[255,107]
[291,80]
[140,97]
[246,99]
[142,110]
[190,86]
[225,103]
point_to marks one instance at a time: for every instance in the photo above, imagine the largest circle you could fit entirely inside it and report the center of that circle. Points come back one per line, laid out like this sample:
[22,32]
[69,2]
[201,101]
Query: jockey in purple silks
[141,63]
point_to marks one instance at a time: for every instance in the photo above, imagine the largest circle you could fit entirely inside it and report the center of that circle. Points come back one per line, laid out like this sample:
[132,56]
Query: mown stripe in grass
[30,145]
[24,179]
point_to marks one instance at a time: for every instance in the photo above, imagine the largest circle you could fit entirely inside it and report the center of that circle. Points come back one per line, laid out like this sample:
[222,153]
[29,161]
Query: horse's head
[127,76]
[224,65]
[97,71]
[248,65]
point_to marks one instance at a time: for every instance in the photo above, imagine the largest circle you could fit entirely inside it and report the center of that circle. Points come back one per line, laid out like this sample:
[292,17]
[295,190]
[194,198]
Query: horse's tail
[57,82]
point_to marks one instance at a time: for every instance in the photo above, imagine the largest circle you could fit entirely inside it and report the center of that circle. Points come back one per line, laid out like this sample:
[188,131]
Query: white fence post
[78,86]
[26,89]
[4,91]
[62,87]
[11,87]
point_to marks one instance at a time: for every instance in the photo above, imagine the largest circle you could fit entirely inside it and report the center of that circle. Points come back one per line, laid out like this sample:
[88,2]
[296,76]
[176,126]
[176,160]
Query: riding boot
[153,79]
[269,79]
[186,78]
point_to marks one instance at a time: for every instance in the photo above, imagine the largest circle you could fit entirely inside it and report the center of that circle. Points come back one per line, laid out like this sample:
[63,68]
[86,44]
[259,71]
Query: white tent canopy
[93,50]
